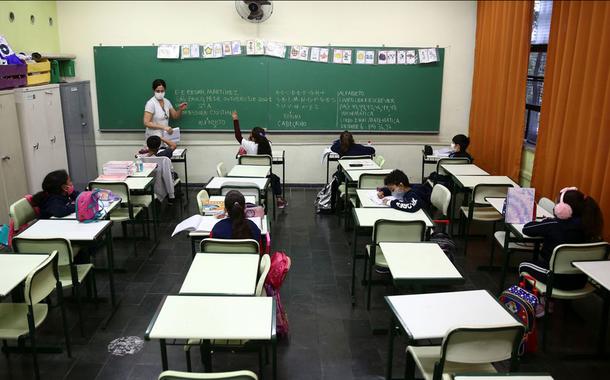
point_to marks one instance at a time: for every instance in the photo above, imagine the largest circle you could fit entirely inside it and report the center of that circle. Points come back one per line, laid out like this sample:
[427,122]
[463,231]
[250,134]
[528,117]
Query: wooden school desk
[514,234]
[431,315]
[365,218]
[214,317]
[249,171]
[15,267]
[222,274]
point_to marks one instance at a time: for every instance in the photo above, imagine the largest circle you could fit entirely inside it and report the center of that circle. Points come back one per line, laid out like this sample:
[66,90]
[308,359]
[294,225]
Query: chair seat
[82,270]
[380,260]
[14,320]
[122,214]
[425,358]
[484,214]
[565,294]
[500,236]
[140,200]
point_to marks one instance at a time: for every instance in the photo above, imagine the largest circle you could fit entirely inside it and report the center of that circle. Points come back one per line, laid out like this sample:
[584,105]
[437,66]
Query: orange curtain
[574,136]
[497,110]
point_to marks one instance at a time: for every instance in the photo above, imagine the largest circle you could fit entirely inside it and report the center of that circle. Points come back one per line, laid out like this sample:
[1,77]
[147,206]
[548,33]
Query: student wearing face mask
[459,144]
[58,197]
[158,110]
[409,198]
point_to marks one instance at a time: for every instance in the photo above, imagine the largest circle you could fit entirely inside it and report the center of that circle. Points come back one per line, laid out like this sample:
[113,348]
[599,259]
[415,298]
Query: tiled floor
[329,339]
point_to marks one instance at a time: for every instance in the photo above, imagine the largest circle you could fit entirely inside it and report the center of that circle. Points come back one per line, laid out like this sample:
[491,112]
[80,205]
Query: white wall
[451,25]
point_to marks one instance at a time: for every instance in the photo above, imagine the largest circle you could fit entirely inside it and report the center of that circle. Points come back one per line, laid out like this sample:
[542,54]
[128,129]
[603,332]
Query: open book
[203,223]
[379,201]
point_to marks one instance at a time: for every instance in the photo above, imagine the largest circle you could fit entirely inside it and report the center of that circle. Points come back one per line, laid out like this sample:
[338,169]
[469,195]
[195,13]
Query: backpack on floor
[522,302]
[446,243]
[324,199]
[280,265]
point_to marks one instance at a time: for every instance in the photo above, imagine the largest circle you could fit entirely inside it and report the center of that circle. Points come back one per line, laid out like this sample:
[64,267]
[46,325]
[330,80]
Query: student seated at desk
[236,225]
[578,219]
[257,143]
[346,146]
[459,144]
[58,197]
[405,197]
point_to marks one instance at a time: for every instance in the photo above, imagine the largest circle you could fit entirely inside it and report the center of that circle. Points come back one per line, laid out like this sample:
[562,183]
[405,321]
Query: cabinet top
[37,88]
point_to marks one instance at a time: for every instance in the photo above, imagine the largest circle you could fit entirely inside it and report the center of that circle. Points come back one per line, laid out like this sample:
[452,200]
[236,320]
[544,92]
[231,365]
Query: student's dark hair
[462,140]
[153,142]
[396,177]
[346,140]
[51,185]
[259,137]
[157,83]
[587,209]
[235,204]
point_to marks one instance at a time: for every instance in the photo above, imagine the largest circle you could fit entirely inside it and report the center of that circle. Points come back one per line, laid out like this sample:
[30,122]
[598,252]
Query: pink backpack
[89,206]
[280,265]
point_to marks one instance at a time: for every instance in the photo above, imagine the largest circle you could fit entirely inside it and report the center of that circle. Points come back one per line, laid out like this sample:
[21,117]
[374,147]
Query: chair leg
[546,321]
[94,286]
[134,238]
[364,269]
[260,361]
[466,233]
[410,367]
[492,250]
[33,341]
[64,319]
[76,285]
[369,284]
[189,366]
[5,348]
[124,228]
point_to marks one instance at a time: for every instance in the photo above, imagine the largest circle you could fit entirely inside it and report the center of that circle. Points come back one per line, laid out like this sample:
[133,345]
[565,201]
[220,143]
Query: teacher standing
[158,110]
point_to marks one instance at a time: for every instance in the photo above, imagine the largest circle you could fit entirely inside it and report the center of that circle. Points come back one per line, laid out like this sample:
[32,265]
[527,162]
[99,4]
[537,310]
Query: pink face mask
[70,189]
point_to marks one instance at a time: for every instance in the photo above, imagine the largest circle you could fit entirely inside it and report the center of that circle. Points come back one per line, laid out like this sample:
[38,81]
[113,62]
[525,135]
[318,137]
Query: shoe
[281,203]
[382,270]
[170,201]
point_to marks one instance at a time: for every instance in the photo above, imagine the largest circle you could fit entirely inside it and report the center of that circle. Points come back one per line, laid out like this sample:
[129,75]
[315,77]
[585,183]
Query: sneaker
[281,203]
[382,270]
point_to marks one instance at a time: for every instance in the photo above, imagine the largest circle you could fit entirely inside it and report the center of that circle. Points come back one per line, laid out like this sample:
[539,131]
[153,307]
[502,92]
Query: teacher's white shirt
[160,115]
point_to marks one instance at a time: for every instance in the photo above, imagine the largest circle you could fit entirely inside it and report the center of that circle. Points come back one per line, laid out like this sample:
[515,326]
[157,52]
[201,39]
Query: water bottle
[139,165]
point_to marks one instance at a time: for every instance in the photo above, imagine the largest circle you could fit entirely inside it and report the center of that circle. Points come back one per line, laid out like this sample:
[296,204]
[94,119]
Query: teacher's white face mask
[160,95]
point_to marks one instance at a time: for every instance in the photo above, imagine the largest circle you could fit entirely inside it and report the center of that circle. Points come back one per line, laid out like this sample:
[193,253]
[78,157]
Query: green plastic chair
[466,349]
[220,169]
[70,274]
[389,231]
[234,375]
[450,161]
[22,213]
[19,320]
[214,245]
[255,159]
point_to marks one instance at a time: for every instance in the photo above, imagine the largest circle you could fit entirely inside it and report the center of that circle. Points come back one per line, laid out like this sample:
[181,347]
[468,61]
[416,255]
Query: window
[535,72]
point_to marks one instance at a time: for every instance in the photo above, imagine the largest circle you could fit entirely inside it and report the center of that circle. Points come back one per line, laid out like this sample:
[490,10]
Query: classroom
[266,189]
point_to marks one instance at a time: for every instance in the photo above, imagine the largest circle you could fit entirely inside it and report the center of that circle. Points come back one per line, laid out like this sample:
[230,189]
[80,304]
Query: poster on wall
[168,51]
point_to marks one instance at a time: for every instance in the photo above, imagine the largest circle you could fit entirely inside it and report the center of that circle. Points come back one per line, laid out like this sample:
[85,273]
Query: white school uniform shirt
[160,116]
[250,146]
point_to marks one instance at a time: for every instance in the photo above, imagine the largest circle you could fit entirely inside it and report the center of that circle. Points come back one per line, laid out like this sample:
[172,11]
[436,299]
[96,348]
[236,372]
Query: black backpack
[446,243]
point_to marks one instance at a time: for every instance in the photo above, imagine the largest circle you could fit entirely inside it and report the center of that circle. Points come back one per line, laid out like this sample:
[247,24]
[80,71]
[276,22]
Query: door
[13,184]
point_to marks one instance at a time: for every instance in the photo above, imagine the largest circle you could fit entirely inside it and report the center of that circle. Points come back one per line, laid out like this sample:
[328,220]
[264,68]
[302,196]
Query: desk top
[15,267]
[354,175]
[362,163]
[222,273]
[418,261]
[213,317]
[179,153]
[264,227]
[366,217]
[149,168]
[470,181]
[72,230]
[498,204]
[277,155]
[364,195]
[218,182]
[108,207]
[134,183]
[463,169]
[597,270]
[431,315]
[256,171]
[221,198]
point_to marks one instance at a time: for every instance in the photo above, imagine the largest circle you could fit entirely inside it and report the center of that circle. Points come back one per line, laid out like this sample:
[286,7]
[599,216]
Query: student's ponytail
[235,204]
[592,219]
[346,140]
[258,135]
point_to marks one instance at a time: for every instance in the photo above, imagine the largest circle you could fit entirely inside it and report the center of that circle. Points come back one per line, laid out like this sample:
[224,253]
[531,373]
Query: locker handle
[5,158]
[53,139]
[49,92]
[83,124]
[36,146]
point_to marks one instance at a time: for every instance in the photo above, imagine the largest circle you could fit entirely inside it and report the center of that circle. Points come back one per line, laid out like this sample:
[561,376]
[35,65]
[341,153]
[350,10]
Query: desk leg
[110,258]
[603,330]
[186,180]
[155,216]
[327,168]
[506,259]
[284,176]
[274,358]
[422,169]
[163,354]
[193,248]
[388,372]
[354,264]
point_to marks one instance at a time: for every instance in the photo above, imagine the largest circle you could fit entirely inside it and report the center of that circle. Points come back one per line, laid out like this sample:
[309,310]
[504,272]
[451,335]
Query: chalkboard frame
[285,131]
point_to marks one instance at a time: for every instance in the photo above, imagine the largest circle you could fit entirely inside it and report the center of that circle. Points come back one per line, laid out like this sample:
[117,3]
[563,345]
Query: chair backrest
[65,255]
[482,191]
[255,159]
[481,344]
[379,160]
[441,198]
[361,157]
[263,270]
[233,375]
[546,204]
[214,245]
[565,254]
[21,212]
[202,196]
[371,181]
[220,169]
[41,281]
[450,161]
[398,231]
[119,189]
[245,189]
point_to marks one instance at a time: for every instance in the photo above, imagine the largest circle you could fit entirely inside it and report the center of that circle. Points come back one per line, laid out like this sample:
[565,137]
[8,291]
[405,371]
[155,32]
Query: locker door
[86,124]
[70,104]
[55,128]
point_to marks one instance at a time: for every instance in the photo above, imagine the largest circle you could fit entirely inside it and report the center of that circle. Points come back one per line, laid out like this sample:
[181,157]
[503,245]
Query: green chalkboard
[279,94]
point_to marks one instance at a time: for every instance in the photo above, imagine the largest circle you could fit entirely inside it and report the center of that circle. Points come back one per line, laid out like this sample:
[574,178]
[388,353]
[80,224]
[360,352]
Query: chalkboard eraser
[356,165]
